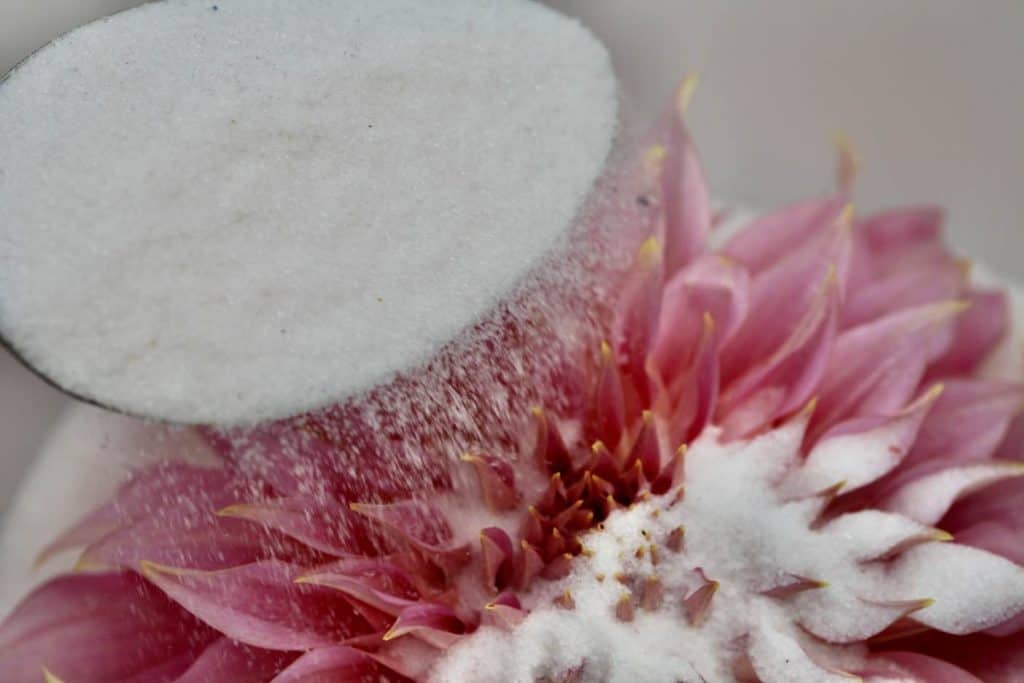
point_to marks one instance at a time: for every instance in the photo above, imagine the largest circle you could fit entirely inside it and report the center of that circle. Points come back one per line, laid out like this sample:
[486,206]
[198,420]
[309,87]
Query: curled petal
[505,611]
[435,625]
[497,557]
[497,481]
[260,604]
[838,615]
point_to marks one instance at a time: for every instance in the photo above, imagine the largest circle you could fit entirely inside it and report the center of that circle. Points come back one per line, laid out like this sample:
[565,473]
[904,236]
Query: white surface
[233,214]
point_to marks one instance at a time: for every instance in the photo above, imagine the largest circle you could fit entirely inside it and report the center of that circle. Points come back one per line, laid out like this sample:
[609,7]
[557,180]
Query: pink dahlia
[780,466]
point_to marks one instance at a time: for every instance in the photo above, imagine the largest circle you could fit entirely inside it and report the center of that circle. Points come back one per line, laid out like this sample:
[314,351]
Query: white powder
[741,532]
[226,210]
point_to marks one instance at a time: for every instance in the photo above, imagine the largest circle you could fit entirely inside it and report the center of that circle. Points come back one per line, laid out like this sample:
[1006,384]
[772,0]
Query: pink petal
[774,235]
[319,523]
[781,296]
[609,402]
[376,583]
[710,286]
[684,201]
[904,289]
[901,229]
[260,604]
[978,332]
[968,422]
[687,404]
[422,527]
[876,367]
[77,626]
[226,660]
[636,314]
[186,537]
[786,380]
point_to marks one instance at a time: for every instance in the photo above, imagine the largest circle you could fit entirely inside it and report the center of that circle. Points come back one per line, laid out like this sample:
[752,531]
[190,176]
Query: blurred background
[931,91]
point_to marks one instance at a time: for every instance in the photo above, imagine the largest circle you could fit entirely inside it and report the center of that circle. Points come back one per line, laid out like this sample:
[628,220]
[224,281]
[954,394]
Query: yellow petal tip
[685,92]
[49,677]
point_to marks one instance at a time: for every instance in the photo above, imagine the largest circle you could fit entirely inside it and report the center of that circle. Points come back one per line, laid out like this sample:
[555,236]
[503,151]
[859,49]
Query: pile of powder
[730,570]
[223,213]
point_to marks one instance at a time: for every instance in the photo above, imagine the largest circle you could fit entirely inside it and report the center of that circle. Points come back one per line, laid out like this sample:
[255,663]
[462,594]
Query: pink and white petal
[871,534]
[260,604]
[77,627]
[839,615]
[972,590]
[928,498]
[919,668]
[778,657]
[862,450]
[1001,502]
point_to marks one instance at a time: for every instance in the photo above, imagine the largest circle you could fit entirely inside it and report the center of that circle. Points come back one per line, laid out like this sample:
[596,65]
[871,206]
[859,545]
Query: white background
[932,91]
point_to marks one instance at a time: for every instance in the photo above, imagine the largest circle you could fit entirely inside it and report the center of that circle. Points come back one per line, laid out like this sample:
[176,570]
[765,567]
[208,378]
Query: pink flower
[781,467]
